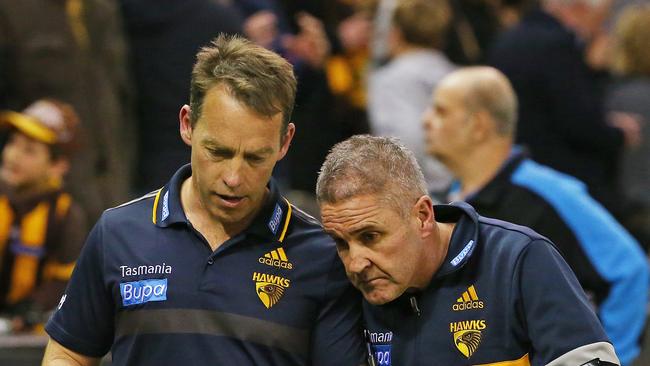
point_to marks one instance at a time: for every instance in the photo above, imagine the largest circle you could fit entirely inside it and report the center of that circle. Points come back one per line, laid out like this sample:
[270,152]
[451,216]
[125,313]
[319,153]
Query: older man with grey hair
[443,285]
[470,127]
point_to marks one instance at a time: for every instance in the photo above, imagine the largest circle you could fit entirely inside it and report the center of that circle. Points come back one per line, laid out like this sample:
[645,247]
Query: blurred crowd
[91,91]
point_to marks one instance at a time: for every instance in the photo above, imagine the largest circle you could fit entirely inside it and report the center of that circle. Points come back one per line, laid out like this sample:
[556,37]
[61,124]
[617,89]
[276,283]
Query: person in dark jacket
[470,127]
[443,285]
[562,119]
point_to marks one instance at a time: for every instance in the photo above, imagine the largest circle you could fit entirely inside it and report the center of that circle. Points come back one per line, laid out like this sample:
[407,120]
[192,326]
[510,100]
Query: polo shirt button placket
[210,261]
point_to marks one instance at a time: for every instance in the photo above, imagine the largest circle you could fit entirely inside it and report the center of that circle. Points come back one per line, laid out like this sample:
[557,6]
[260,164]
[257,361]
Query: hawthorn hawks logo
[467,335]
[270,288]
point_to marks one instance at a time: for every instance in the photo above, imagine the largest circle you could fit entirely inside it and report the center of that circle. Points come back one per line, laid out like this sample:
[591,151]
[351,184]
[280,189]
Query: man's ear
[185,119]
[483,126]
[286,140]
[423,210]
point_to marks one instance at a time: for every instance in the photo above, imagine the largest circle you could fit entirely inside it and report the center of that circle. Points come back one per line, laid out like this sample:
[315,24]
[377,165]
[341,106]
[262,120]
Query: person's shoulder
[136,210]
[303,218]
[504,244]
[515,234]
[304,225]
[418,65]
[307,232]
[566,194]
[544,179]
[537,33]
[506,241]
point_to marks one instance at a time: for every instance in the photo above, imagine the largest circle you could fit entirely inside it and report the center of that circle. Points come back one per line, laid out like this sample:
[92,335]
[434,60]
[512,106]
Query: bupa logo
[463,253]
[274,223]
[381,352]
[139,292]
[165,207]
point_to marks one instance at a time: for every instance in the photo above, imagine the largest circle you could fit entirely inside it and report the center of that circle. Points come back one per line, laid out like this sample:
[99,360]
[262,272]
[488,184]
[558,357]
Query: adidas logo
[276,258]
[468,300]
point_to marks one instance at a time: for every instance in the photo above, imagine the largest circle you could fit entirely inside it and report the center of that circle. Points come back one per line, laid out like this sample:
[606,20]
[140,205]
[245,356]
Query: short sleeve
[559,319]
[337,336]
[83,320]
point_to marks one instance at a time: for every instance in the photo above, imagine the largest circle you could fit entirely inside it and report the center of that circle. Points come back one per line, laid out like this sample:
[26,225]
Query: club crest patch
[467,341]
[467,335]
[270,288]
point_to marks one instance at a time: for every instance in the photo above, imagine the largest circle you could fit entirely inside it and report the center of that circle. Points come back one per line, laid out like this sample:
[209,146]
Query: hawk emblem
[269,293]
[467,341]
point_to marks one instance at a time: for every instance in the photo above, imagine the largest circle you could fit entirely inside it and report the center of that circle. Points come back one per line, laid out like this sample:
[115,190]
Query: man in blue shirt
[470,127]
[216,267]
[443,285]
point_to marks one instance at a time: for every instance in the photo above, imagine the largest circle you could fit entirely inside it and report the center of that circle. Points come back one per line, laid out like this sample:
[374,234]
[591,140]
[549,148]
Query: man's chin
[375,298]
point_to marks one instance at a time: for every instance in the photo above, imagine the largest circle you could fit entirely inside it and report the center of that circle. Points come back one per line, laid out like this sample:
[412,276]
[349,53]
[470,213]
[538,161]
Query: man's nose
[358,260]
[232,175]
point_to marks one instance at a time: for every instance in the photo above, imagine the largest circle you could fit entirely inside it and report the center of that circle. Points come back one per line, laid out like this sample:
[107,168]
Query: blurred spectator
[347,67]
[631,93]
[399,92]
[470,127]
[41,228]
[473,27]
[322,41]
[381,25]
[562,117]
[73,50]
[164,38]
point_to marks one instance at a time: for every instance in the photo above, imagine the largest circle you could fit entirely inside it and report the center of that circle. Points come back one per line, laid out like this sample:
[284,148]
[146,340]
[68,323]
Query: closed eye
[369,237]
[221,153]
[255,159]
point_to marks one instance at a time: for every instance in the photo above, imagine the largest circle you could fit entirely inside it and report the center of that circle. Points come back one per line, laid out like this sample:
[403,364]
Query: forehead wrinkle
[350,218]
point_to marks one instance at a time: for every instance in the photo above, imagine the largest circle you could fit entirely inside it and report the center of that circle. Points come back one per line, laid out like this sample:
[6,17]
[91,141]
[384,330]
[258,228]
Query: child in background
[41,229]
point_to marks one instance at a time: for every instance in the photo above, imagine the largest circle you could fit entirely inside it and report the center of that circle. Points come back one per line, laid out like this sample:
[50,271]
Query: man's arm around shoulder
[58,355]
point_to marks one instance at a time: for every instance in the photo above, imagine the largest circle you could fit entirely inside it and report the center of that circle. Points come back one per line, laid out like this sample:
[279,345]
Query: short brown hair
[260,79]
[632,54]
[423,22]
